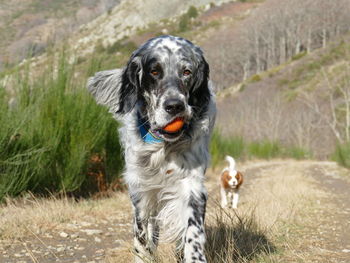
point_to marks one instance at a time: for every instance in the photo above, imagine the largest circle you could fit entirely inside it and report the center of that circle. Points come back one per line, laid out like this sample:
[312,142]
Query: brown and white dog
[231,180]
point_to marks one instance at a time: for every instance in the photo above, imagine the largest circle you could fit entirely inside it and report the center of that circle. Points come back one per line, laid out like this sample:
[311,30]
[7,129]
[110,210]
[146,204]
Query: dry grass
[275,202]
[29,215]
[236,238]
[276,196]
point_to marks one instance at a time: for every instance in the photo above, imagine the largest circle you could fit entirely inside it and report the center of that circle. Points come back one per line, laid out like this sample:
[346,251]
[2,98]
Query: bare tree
[277,31]
[333,108]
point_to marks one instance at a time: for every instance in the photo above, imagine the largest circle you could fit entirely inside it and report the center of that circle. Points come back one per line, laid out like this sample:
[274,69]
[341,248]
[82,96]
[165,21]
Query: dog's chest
[160,168]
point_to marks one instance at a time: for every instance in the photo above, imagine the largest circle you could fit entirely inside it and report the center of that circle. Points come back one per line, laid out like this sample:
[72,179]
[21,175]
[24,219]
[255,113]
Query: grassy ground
[276,221]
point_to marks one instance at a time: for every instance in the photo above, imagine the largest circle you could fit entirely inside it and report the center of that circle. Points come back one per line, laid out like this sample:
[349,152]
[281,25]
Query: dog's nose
[174,106]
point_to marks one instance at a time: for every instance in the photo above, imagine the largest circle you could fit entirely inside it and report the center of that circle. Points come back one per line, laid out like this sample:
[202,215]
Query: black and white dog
[167,78]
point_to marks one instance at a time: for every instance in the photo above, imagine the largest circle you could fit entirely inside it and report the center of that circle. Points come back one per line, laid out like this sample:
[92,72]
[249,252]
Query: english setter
[166,79]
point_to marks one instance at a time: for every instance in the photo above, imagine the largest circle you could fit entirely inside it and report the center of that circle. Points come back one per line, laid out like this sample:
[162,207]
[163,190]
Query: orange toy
[175,125]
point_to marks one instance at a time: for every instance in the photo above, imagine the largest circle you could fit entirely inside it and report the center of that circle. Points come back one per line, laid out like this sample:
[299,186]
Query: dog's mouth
[232,185]
[173,130]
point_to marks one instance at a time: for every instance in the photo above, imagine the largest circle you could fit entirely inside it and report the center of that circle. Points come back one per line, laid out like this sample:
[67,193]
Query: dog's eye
[187,72]
[155,72]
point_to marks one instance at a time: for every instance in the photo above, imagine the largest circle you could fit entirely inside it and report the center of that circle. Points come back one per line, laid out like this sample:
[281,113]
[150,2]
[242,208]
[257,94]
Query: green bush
[299,55]
[342,154]
[99,48]
[185,19]
[184,23]
[192,12]
[255,78]
[221,146]
[122,46]
[296,153]
[264,149]
[238,148]
[49,135]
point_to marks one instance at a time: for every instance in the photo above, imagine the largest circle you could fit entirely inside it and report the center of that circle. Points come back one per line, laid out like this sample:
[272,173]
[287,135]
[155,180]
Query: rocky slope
[28,27]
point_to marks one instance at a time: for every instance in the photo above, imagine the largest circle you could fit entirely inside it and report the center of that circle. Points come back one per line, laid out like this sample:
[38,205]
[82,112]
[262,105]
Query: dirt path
[303,207]
[331,235]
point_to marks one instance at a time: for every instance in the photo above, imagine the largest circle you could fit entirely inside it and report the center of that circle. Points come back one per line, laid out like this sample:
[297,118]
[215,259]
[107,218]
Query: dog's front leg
[195,235]
[235,199]
[223,197]
[146,233]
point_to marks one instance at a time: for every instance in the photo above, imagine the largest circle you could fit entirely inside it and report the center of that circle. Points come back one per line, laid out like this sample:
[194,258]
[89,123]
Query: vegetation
[236,238]
[221,146]
[241,149]
[51,132]
[122,46]
[49,136]
[299,55]
[185,19]
[57,20]
[269,38]
[255,78]
[48,141]
[342,155]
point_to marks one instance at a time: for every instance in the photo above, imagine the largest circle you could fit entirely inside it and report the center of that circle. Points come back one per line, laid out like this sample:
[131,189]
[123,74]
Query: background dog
[165,102]
[231,180]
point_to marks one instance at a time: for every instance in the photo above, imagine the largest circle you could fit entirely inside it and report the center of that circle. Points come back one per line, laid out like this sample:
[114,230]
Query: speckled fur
[165,180]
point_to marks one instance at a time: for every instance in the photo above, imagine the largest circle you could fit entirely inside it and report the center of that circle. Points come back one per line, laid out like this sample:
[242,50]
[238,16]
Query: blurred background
[280,68]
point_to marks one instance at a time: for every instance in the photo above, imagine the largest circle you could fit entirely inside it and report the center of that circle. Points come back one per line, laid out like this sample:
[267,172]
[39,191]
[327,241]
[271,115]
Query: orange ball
[175,125]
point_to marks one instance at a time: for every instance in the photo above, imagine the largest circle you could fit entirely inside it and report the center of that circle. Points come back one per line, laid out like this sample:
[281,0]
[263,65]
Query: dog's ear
[105,86]
[239,178]
[200,93]
[130,85]
[117,89]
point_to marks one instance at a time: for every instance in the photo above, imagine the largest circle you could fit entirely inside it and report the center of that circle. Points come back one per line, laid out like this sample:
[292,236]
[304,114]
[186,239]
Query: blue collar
[146,135]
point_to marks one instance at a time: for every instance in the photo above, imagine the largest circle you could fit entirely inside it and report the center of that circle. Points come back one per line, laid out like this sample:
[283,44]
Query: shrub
[264,149]
[122,46]
[236,237]
[192,12]
[80,60]
[283,82]
[185,19]
[221,146]
[342,154]
[255,78]
[296,153]
[299,55]
[48,138]
[99,48]
[235,146]
[184,23]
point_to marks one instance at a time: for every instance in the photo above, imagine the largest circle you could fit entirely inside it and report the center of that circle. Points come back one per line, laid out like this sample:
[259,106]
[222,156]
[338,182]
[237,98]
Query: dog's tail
[231,161]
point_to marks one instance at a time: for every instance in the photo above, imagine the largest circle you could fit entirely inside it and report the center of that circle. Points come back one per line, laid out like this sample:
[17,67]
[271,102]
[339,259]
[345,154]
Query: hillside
[292,103]
[276,90]
[85,36]
[29,27]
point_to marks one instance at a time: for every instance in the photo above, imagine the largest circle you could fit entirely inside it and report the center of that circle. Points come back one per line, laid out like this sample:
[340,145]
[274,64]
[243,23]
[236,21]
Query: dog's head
[166,79]
[232,179]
